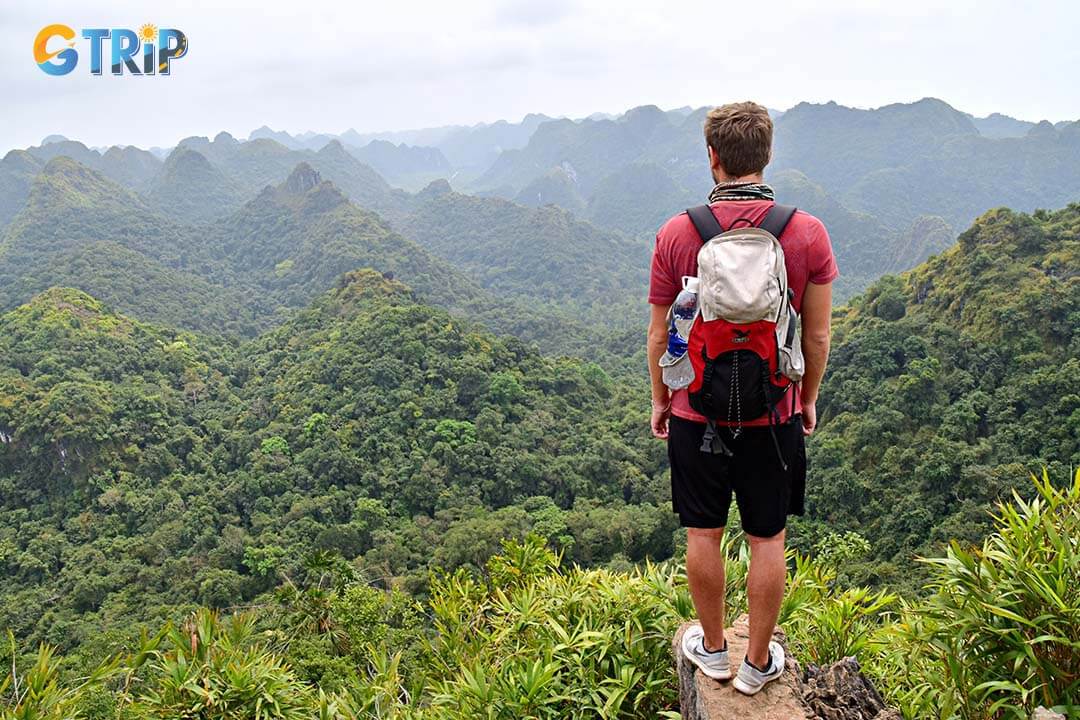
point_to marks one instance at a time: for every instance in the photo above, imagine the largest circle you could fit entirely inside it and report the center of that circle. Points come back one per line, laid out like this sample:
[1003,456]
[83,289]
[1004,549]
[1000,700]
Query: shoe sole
[776,654]
[720,675]
[747,689]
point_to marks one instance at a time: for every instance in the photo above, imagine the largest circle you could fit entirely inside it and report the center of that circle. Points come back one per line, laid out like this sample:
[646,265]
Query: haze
[375,66]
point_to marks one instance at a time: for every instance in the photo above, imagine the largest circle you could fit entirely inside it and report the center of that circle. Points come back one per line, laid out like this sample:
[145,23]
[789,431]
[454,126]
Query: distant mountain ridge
[127,165]
[240,170]
[411,158]
[316,233]
[404,166]
[252,267]
[878,172]
[892,183]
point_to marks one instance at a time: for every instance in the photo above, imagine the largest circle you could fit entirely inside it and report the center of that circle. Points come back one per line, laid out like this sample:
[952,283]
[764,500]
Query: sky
[372,66]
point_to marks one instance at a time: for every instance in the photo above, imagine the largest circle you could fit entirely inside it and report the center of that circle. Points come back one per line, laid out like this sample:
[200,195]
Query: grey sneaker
[713,664]
[751,680]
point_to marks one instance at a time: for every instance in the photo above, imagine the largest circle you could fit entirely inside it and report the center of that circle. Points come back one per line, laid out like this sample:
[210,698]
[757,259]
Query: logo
[148,51]
[741,336]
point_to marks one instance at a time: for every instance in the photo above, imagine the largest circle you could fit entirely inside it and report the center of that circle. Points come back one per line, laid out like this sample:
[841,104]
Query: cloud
[530,13]
[326,66]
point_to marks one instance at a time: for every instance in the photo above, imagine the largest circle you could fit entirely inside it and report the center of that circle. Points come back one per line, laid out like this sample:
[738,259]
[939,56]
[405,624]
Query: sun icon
[148,33]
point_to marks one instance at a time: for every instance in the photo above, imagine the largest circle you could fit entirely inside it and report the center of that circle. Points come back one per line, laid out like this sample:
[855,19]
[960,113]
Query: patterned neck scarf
[741,191]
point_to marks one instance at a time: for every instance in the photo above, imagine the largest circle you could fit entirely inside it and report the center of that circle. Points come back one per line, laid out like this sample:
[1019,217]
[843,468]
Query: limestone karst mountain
[80,229]
[17,171]
[404,166]
[874,176]
[191,189]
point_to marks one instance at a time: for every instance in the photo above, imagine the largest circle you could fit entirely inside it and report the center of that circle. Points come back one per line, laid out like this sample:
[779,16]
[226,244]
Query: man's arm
[657,344]
[816,326]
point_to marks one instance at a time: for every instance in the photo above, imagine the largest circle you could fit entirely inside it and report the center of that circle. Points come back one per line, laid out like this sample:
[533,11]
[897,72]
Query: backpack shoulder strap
[705,222]
[777,220]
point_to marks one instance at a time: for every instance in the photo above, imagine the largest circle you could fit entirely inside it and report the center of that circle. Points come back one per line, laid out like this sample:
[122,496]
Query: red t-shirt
[808,257]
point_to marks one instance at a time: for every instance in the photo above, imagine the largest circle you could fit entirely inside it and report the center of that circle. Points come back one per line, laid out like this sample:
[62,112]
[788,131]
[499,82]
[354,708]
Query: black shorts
[702,483]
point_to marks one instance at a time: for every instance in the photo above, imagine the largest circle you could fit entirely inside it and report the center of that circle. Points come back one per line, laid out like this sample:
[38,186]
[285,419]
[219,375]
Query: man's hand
[809,418]
[659,422]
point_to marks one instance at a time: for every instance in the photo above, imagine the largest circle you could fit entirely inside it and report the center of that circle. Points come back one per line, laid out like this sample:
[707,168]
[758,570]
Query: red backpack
[744,344]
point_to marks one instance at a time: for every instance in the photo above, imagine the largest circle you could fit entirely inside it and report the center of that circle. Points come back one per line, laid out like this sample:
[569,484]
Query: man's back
[807,255]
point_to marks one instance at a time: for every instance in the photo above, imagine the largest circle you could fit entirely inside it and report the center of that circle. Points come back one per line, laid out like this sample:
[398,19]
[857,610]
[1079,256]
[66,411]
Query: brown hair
[741,136]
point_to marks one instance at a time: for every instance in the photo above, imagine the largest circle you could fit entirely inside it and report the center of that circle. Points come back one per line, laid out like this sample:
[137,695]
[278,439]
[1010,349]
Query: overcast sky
[397,64]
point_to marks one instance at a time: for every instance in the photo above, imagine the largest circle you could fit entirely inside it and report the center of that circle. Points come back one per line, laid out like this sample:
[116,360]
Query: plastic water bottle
[677,371]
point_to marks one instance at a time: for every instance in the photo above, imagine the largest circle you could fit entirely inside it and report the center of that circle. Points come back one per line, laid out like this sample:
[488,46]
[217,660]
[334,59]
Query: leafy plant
[555,644]
[40,693]
[1000,634]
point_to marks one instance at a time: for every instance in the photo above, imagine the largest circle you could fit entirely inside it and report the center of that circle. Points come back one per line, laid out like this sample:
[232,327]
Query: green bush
[547,643]
[1000,634]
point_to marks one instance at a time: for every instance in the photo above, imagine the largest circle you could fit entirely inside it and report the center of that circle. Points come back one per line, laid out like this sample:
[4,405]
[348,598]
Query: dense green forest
[949,382]
[325,474]
[145,469]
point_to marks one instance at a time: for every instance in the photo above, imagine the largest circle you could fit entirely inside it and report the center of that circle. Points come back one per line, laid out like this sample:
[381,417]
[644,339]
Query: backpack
[744,343]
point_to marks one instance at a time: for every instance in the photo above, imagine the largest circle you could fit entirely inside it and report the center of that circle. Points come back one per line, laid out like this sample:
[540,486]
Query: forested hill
[143,469]
[543,253]
[270,257]
[294,239]
[191,189]
[948,384]
[81,229]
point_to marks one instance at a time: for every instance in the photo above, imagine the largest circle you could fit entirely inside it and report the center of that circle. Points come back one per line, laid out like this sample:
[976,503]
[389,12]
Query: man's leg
[765,593]
[705,574]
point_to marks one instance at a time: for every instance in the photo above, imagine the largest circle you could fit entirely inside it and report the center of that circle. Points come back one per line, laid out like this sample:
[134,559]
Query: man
[767,485]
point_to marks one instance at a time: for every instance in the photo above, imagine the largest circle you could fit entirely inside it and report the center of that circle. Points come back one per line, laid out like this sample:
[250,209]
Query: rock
[842,692]
[1042,713]
[302,178]
[837,692]
[702,698]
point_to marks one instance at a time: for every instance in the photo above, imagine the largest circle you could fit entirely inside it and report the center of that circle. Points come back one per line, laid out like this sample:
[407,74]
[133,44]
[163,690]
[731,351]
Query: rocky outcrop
[302,178]
[702,698]
[837,692]
[841,692]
